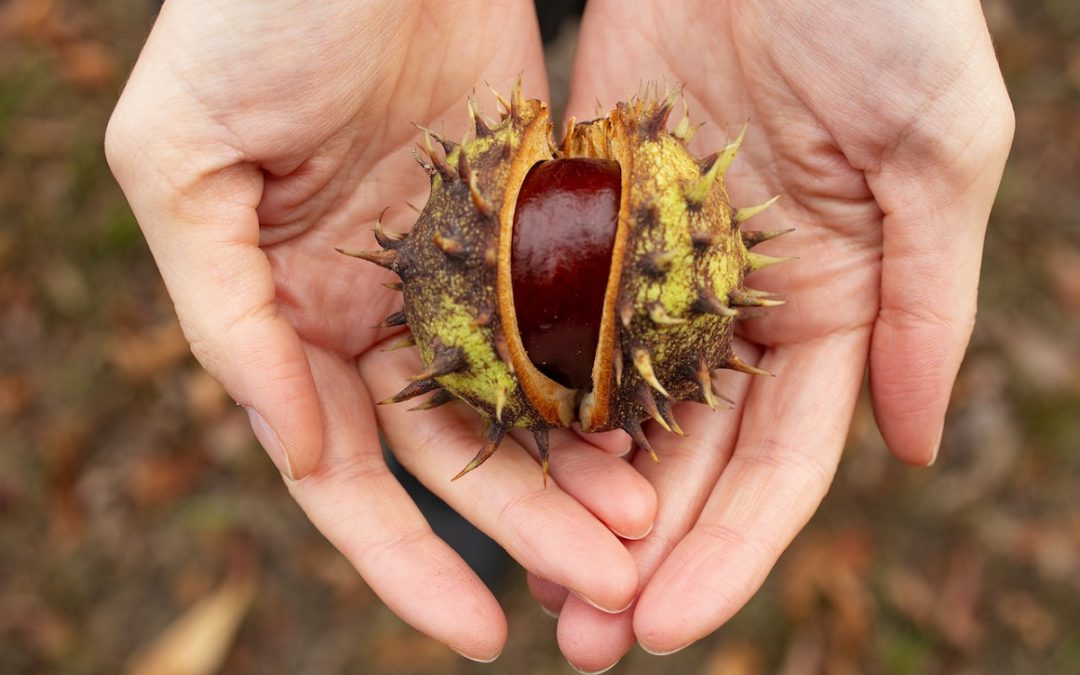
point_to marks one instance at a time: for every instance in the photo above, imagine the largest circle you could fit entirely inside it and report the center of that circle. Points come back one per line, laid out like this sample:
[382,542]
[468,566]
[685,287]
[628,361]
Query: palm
[789,150]
[337,181]
[840,142]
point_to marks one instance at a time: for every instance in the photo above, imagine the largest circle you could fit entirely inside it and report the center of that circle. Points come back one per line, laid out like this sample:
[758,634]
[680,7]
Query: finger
[616,441]
[200,223]
[604,484]
[792,432]
[359,506]
[688,469]
[550,596]
[936,191]
[592,641]
[544,529]
[598,81]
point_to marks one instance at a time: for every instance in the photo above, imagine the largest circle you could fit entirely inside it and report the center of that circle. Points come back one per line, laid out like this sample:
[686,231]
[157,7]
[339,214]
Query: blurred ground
[131,490]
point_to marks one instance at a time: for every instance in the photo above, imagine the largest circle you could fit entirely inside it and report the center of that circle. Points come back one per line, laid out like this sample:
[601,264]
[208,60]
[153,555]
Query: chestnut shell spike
[595,282]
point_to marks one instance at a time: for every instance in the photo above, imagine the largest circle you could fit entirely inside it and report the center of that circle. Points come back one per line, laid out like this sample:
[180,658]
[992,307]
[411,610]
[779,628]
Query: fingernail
[659,653]
[634,537]
[550,612]
[270,441]
[477,659]
[937,447]
[594,672]
[592,604]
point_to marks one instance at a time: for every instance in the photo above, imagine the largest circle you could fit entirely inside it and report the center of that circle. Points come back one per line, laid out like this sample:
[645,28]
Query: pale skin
[251,141]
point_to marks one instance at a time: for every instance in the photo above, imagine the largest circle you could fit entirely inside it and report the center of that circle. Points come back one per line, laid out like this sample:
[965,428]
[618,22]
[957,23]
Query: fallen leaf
[402,651]
[805,652]
[28,19]
[229,442]
[198,642]
[148,353]
[1063,267]
[1050,546]
[825,582]
[1045,358]
[327,566]
[160,479]
[1031,621]
[87,63]
[63,446]
[205,396]
[62,28]
[958,601]
[40,136]
[14,394]
[910,595]
[948,609]
[65,286]
[733,657]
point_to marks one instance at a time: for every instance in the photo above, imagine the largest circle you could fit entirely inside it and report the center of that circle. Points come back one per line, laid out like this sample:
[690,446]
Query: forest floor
[131,488]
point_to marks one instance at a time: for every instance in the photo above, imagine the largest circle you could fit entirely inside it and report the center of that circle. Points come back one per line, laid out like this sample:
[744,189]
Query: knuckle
[915,314]
[727,537]
[794,472]
[121,139]
[517,512]
[958,136]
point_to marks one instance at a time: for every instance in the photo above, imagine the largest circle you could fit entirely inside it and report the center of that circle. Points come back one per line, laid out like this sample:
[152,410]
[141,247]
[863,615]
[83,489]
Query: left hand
[884,127]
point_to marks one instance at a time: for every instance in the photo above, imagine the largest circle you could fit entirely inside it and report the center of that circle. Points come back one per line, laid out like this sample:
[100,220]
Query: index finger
[362,509]
[793,430]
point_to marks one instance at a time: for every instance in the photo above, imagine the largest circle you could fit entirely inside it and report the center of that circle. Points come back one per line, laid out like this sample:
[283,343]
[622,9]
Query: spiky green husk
[678,273]
[675,289]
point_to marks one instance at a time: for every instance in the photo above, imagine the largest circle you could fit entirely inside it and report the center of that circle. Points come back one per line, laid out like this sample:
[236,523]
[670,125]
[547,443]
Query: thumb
[196,208]
[936,197]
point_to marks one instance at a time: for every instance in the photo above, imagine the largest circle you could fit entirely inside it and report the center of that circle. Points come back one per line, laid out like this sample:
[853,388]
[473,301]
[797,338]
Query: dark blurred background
[140,524]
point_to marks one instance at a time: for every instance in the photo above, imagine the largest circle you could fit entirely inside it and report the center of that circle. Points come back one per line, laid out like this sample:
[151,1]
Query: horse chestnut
[595,282]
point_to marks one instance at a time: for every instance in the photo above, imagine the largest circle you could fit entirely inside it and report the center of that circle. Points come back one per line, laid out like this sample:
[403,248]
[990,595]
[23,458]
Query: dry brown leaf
[733,657]
[205,396]
[400,651]
[910,595]
[87,63]
[1064,263]
[1047,359]
[65,286]
[825,582]
[198,642]
[14,394]
[229,442]
[150,352]
[41,136]
[958,603]
[805,652]
[327,566]
[62,28]
[948,609]
[27,19]
[1036,626]
[159,479]
[63,446]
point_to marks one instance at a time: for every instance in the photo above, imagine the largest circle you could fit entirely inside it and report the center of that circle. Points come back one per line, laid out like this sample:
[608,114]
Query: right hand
[252,139]
[885,127]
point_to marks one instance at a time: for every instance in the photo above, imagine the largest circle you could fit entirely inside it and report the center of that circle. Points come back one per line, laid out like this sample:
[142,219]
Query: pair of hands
[254,138]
